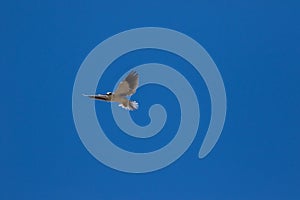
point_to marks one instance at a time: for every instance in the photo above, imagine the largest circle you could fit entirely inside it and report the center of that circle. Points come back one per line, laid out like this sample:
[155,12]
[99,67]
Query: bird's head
[108,96]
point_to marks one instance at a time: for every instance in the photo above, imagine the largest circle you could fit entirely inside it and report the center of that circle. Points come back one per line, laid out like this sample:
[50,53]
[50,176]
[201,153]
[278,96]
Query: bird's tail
[129,105]
[133,105]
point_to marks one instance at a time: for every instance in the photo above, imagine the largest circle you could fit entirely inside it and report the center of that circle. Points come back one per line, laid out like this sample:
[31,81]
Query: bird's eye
[109,93]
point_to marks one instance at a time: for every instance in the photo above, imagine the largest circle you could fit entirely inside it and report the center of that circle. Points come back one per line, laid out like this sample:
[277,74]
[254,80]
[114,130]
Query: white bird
[126,88]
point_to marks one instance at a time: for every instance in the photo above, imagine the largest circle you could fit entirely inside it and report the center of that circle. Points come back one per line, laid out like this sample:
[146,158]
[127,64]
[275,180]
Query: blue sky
[256,46]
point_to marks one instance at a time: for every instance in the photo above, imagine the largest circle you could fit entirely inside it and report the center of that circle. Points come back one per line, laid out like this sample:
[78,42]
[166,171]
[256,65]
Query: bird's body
[126,88]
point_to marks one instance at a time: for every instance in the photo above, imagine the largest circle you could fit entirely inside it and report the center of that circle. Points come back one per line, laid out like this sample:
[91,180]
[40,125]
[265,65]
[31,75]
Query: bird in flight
[127,87]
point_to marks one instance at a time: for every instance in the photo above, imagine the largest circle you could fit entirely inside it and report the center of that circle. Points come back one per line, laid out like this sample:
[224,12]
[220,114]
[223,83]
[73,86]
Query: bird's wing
[128,85]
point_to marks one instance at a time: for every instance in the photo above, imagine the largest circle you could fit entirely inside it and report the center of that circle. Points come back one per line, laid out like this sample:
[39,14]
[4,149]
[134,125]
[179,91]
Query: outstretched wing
[128,85]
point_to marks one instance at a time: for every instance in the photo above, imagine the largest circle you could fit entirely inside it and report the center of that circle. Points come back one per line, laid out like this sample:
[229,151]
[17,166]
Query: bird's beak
[99,97]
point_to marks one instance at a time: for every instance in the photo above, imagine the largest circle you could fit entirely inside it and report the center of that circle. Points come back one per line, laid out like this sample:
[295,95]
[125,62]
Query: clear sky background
[256,46]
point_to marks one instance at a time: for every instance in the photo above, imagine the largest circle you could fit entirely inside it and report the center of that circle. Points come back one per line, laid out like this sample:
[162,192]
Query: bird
[127,87]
